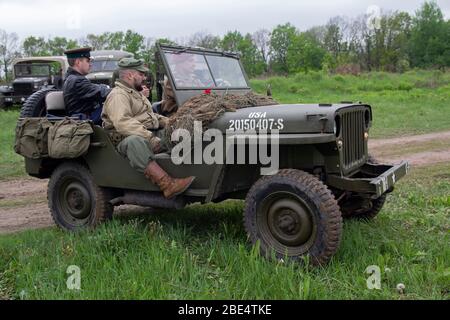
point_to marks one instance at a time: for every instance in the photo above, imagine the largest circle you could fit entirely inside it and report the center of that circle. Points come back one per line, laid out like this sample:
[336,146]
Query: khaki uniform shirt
[128,112]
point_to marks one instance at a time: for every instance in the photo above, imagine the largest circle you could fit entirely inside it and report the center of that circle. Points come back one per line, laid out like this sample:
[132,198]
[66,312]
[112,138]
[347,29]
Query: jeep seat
[55,102]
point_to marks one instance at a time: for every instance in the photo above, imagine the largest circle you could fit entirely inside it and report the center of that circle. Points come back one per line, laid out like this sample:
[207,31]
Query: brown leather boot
[171,187]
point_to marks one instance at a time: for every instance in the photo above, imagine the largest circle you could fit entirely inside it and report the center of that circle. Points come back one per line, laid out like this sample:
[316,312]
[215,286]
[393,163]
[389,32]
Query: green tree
[304,53]
[333,39]
[97,42]
[35,47]
[133,42]
[204,40]
[115,40]
[9,49]
[148,53]
[58,45]
[429,37]
[280,40]
[250,55]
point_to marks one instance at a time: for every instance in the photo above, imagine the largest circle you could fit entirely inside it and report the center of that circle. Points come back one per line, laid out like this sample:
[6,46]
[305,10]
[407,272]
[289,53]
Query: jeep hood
[288,118]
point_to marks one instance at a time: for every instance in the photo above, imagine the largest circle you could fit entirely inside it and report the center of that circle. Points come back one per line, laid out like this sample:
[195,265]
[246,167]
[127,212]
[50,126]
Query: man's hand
[145,91]
[155,143]
[163,121]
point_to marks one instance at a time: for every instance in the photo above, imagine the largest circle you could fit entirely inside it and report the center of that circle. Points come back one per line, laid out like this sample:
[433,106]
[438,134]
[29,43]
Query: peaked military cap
[78,53]
[131,63]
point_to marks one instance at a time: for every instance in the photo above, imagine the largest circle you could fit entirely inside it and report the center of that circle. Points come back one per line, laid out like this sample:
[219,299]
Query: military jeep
[31,75]
[324,174]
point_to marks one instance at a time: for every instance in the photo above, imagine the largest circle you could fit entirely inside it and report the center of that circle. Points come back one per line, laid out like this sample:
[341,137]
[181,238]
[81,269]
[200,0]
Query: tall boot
[171,187]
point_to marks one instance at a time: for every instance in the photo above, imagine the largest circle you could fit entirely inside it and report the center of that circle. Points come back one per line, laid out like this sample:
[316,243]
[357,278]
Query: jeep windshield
[32,70]
[205,71]
[104,65]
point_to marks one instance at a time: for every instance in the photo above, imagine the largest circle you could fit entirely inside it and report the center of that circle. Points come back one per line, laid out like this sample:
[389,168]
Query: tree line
[391,41]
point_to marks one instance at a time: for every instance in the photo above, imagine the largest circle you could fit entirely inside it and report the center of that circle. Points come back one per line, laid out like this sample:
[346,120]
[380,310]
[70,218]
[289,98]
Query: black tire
[75,201]
[34,106]
[293,214]
[371,209]
[368,209]
[2,101]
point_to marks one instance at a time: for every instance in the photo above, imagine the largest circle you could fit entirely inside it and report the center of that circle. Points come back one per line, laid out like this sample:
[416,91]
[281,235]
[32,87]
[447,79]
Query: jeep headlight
[36,86]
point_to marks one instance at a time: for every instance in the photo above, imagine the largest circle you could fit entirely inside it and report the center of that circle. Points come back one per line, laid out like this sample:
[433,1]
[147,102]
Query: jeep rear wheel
[2,101]
[293,214]
[75,201]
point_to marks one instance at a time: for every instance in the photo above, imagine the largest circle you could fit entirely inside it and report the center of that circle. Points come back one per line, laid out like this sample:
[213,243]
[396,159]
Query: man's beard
[138,87]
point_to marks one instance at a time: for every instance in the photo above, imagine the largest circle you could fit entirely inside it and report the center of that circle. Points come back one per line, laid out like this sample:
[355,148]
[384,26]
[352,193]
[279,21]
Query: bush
[350,68]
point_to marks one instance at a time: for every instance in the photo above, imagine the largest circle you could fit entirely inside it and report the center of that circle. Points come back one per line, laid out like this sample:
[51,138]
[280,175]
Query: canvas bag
[69,139]
[32,137]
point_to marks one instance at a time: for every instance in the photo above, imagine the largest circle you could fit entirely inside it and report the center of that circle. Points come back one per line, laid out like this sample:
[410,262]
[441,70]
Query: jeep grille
[354,147]
[23,88]
[102,81]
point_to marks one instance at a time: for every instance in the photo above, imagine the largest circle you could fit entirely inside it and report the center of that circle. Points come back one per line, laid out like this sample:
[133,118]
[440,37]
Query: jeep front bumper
[372,180]
[15,99]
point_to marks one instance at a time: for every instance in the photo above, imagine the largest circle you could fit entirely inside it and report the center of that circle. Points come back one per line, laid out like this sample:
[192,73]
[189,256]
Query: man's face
[137,79]
[84,65]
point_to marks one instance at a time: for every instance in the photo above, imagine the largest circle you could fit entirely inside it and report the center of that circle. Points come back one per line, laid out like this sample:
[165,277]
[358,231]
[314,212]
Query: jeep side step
[148,199]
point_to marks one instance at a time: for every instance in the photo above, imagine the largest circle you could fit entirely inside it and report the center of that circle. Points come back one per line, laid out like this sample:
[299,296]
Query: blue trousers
[95,116]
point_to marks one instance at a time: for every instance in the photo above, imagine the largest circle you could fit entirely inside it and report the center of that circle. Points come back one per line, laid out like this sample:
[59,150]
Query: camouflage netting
[209,107]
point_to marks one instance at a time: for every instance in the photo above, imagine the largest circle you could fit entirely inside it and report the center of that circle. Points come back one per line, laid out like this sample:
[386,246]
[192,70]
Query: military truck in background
[31,75]
[104,69]
[104,63]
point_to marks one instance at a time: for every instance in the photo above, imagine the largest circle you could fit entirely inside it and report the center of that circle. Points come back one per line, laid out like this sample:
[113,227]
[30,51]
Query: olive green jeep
[323,170]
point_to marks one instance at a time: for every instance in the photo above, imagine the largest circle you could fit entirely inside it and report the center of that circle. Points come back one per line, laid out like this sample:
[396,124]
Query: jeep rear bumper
[372,180]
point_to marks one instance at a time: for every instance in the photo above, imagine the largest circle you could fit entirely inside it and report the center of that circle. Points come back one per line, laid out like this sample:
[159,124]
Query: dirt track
[23,202]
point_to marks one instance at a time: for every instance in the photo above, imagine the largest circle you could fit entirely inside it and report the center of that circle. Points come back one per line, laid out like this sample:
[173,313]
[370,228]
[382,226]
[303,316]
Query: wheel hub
[287,222]
[289,219]
[76,200]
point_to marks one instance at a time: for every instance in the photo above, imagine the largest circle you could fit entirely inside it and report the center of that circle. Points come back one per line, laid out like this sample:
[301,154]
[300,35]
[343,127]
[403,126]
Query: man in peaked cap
[128,114]
[81,97]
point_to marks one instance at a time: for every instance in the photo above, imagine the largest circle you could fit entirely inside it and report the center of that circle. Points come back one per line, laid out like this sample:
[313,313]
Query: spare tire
[34,106]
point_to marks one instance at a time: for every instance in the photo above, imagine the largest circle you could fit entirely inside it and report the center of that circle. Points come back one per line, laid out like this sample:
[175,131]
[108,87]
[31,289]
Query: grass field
[403,104]
[201,253]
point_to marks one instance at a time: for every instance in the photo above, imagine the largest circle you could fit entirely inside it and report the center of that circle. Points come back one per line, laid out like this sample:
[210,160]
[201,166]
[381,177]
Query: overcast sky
[176,19]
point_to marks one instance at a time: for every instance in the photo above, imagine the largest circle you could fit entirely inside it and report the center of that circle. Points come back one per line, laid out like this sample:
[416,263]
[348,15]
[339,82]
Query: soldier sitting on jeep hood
[81,97]
[129,114]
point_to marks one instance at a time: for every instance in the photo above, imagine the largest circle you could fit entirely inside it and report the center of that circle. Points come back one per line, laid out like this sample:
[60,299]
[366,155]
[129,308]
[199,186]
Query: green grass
[411,103]
[11,164]
[201,253]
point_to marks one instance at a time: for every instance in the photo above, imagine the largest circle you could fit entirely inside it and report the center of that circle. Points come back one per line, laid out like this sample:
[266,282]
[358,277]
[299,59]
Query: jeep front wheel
[293,214]
[75,201]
